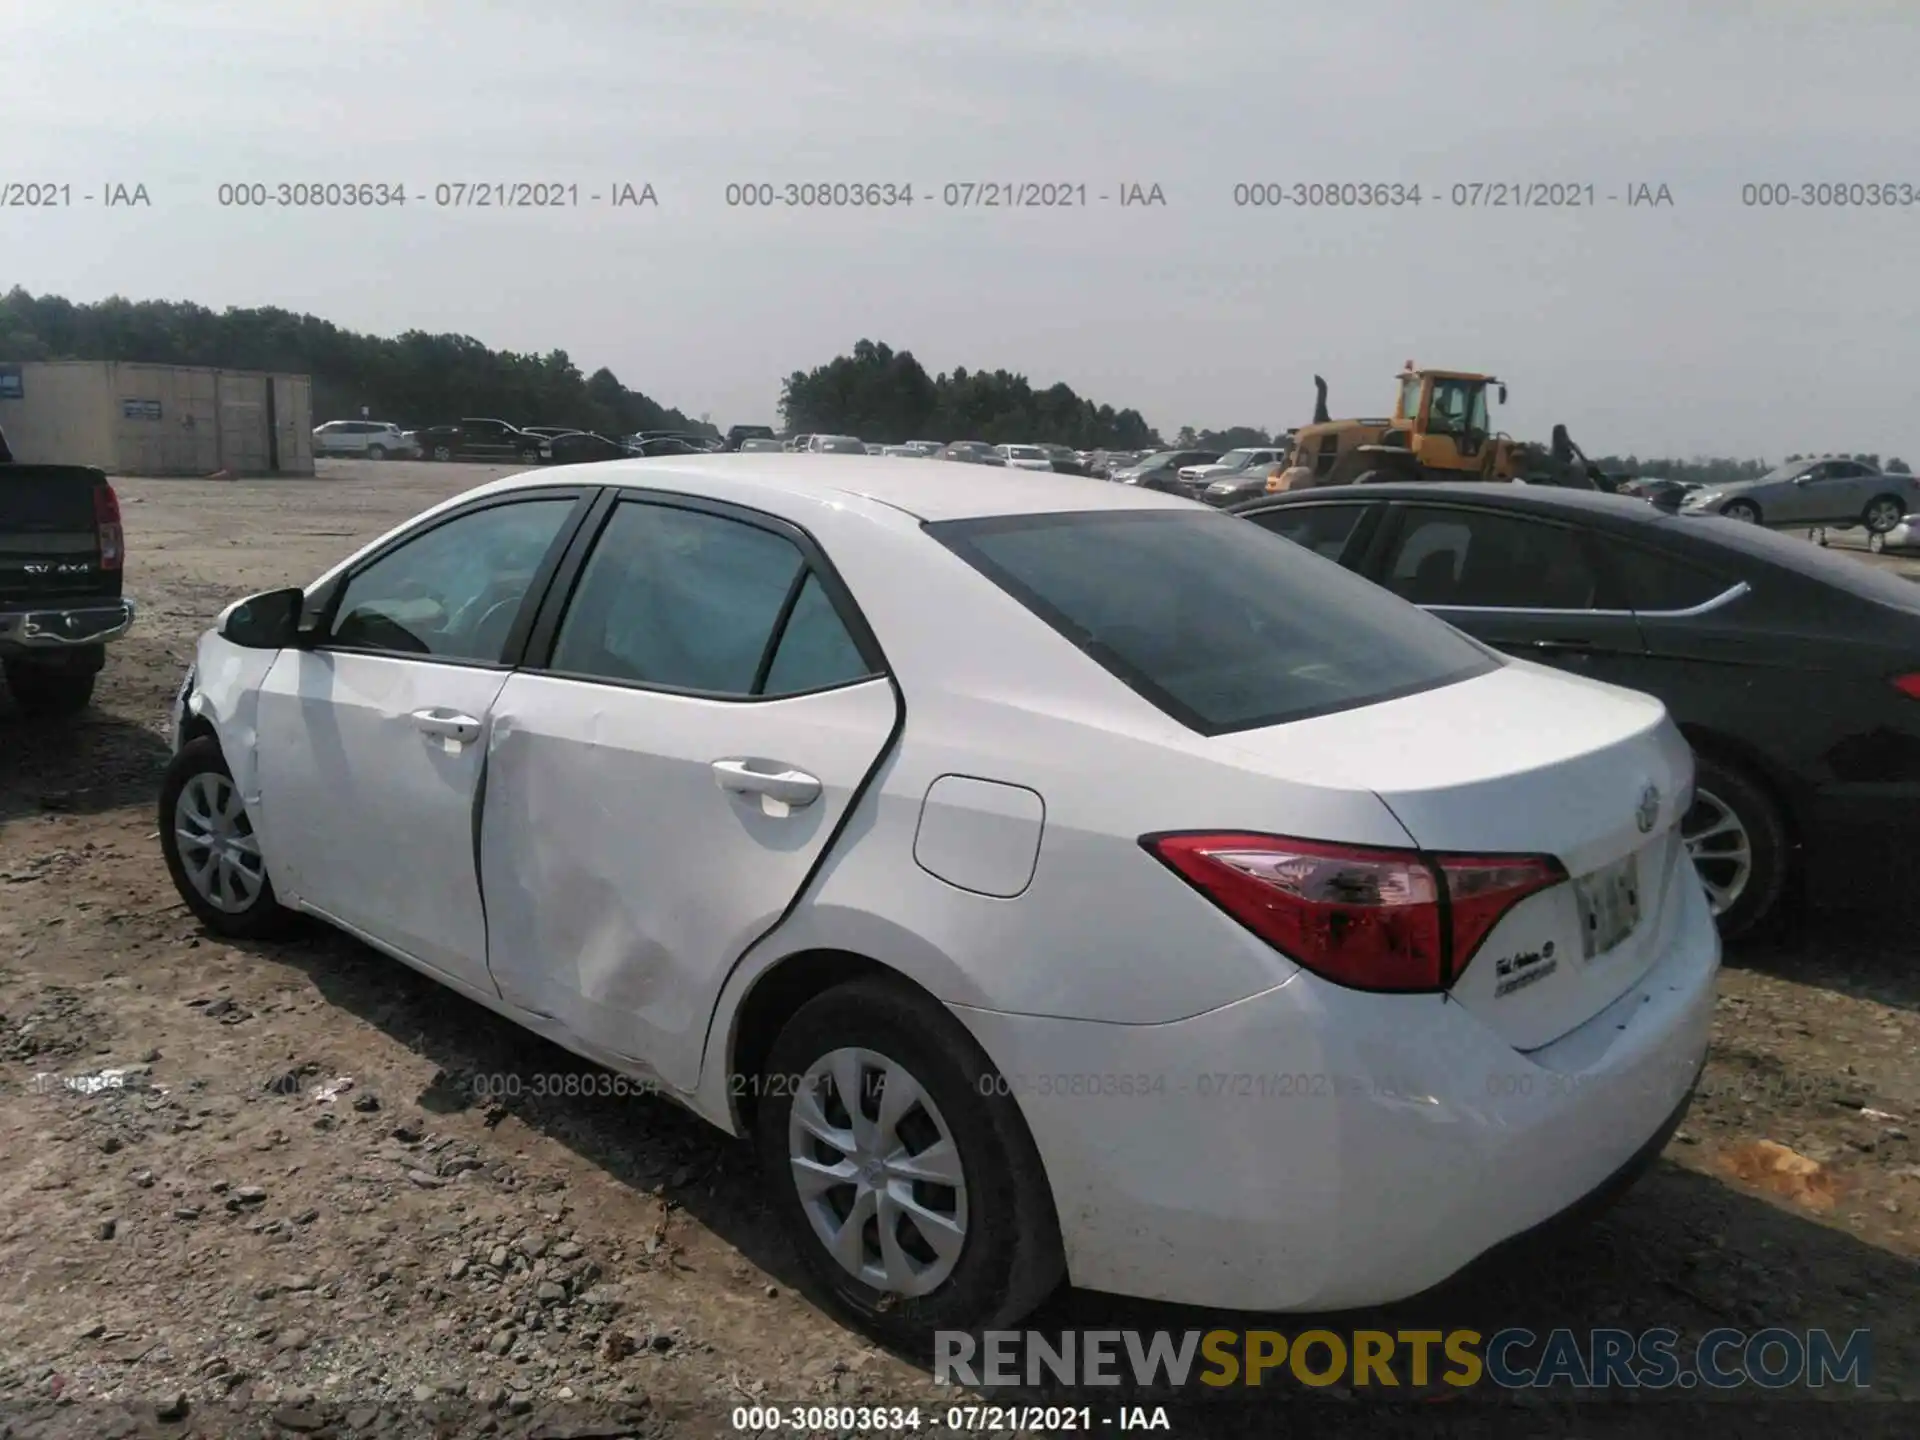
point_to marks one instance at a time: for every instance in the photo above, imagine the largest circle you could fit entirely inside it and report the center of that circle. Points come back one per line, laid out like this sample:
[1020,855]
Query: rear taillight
[1908,685]
[106,519]
[1369,919]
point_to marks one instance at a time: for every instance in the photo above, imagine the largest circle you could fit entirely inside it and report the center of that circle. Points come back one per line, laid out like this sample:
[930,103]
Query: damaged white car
[1057,882]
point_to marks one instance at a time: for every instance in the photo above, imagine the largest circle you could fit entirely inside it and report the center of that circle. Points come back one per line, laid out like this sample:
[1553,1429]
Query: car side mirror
[267,621]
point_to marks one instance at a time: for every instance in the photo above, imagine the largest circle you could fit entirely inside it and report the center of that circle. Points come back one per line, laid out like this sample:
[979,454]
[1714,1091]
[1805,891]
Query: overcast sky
[1706,326]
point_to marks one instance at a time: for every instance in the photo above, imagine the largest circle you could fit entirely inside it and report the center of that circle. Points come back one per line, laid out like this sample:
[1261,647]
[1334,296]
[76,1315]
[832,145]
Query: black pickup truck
[62,553]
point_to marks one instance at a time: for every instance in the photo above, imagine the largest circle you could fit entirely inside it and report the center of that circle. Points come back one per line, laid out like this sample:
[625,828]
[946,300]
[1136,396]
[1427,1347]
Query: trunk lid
[49,536]
[1526,760]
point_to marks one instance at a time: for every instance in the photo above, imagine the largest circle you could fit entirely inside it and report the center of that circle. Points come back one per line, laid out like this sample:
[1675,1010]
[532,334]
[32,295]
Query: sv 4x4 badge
[1516,972]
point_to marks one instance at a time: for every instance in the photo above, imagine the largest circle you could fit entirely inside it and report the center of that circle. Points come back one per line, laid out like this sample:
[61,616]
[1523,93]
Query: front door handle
[447,724]
[790,787]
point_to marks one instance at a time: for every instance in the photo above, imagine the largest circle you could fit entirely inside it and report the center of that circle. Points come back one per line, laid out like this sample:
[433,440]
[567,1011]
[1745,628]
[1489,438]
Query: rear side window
[1491,560]
[1651,582]
[686,600]
[1211,620]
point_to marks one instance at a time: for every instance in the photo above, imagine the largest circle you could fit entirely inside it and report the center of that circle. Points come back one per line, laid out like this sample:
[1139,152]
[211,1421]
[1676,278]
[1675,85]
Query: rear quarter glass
[1216,623]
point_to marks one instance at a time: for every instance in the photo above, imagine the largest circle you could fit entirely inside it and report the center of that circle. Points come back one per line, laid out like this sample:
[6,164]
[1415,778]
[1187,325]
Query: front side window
[1452,404]
[1323,529]
[454,591]
[1410,398]
[1211,621]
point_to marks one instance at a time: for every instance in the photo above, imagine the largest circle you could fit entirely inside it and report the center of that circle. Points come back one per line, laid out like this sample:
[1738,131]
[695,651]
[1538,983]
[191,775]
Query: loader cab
[1445,414]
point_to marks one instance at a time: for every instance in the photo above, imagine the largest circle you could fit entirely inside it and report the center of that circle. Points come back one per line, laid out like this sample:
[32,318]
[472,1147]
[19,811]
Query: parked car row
[484,439]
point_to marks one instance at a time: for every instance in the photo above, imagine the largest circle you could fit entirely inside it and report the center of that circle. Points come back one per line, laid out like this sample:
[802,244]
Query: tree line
[414,379]
[417,378]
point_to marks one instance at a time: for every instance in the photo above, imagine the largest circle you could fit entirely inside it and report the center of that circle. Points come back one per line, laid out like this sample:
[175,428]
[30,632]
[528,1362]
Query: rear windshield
[46,499]
[1218,623]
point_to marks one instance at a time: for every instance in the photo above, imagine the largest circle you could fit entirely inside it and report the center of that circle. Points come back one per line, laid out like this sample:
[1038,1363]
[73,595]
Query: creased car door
[646,817]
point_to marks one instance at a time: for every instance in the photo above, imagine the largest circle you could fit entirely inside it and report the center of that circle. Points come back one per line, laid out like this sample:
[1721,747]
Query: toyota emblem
[1649,810]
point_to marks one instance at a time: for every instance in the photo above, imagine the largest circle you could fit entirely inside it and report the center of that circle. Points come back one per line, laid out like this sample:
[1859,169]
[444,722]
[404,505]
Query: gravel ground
[300,1210]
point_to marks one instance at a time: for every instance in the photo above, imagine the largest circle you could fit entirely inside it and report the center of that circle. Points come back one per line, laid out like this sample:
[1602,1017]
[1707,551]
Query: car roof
[923,491]
[1537,499]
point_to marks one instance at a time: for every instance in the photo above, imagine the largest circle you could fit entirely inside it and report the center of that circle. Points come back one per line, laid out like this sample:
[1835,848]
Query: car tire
[1745,511]
[443,452]
[1009,1256]
[1738,841]
[1883,512]
[44,693]
[190,794]
[376,452]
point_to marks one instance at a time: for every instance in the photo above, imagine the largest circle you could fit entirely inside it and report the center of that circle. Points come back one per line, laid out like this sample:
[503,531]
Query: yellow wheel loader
[1439,430]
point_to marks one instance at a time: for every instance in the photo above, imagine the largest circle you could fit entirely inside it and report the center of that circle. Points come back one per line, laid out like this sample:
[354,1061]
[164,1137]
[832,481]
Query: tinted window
[1651,581]
[1209,619]
[1324,529]
[815,650]
[455,591]
[1469,557]
[677,598]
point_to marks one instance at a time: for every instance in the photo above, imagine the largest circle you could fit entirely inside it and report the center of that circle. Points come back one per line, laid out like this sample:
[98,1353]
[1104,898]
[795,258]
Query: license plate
[1609,905]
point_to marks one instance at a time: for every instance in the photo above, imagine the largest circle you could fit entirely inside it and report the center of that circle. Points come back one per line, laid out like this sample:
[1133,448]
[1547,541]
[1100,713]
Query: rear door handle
[790,787]
[447,724]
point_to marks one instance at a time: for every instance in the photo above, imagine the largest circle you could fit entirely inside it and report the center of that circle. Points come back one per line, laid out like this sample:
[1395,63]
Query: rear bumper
[1316,1149]
[47,628]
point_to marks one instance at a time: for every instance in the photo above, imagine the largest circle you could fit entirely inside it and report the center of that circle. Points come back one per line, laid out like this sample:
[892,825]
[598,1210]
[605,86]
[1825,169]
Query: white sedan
[1061,883]
[1025,457]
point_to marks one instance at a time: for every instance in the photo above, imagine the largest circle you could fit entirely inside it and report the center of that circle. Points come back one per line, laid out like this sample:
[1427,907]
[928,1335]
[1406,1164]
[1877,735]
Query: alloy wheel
[218,849]
[1882,516]
[877,1172]
[1721,849]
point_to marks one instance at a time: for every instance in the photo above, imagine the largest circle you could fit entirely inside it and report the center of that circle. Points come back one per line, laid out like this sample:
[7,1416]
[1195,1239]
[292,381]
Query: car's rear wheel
[1745,511]
[902,1168]
[1882,514]
[211,849]
[376,452]
[1738,842]
[44,693]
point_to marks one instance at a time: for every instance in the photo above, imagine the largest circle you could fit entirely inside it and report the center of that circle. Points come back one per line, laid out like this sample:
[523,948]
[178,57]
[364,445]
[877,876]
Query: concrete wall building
[134,419]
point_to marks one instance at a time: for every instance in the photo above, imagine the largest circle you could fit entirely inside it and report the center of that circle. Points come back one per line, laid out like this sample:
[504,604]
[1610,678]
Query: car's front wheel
[443,452]
[1745,511]
[902,1168]
[211,849]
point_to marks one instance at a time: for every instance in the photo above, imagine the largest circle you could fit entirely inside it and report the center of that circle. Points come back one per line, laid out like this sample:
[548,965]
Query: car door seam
[854,801]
